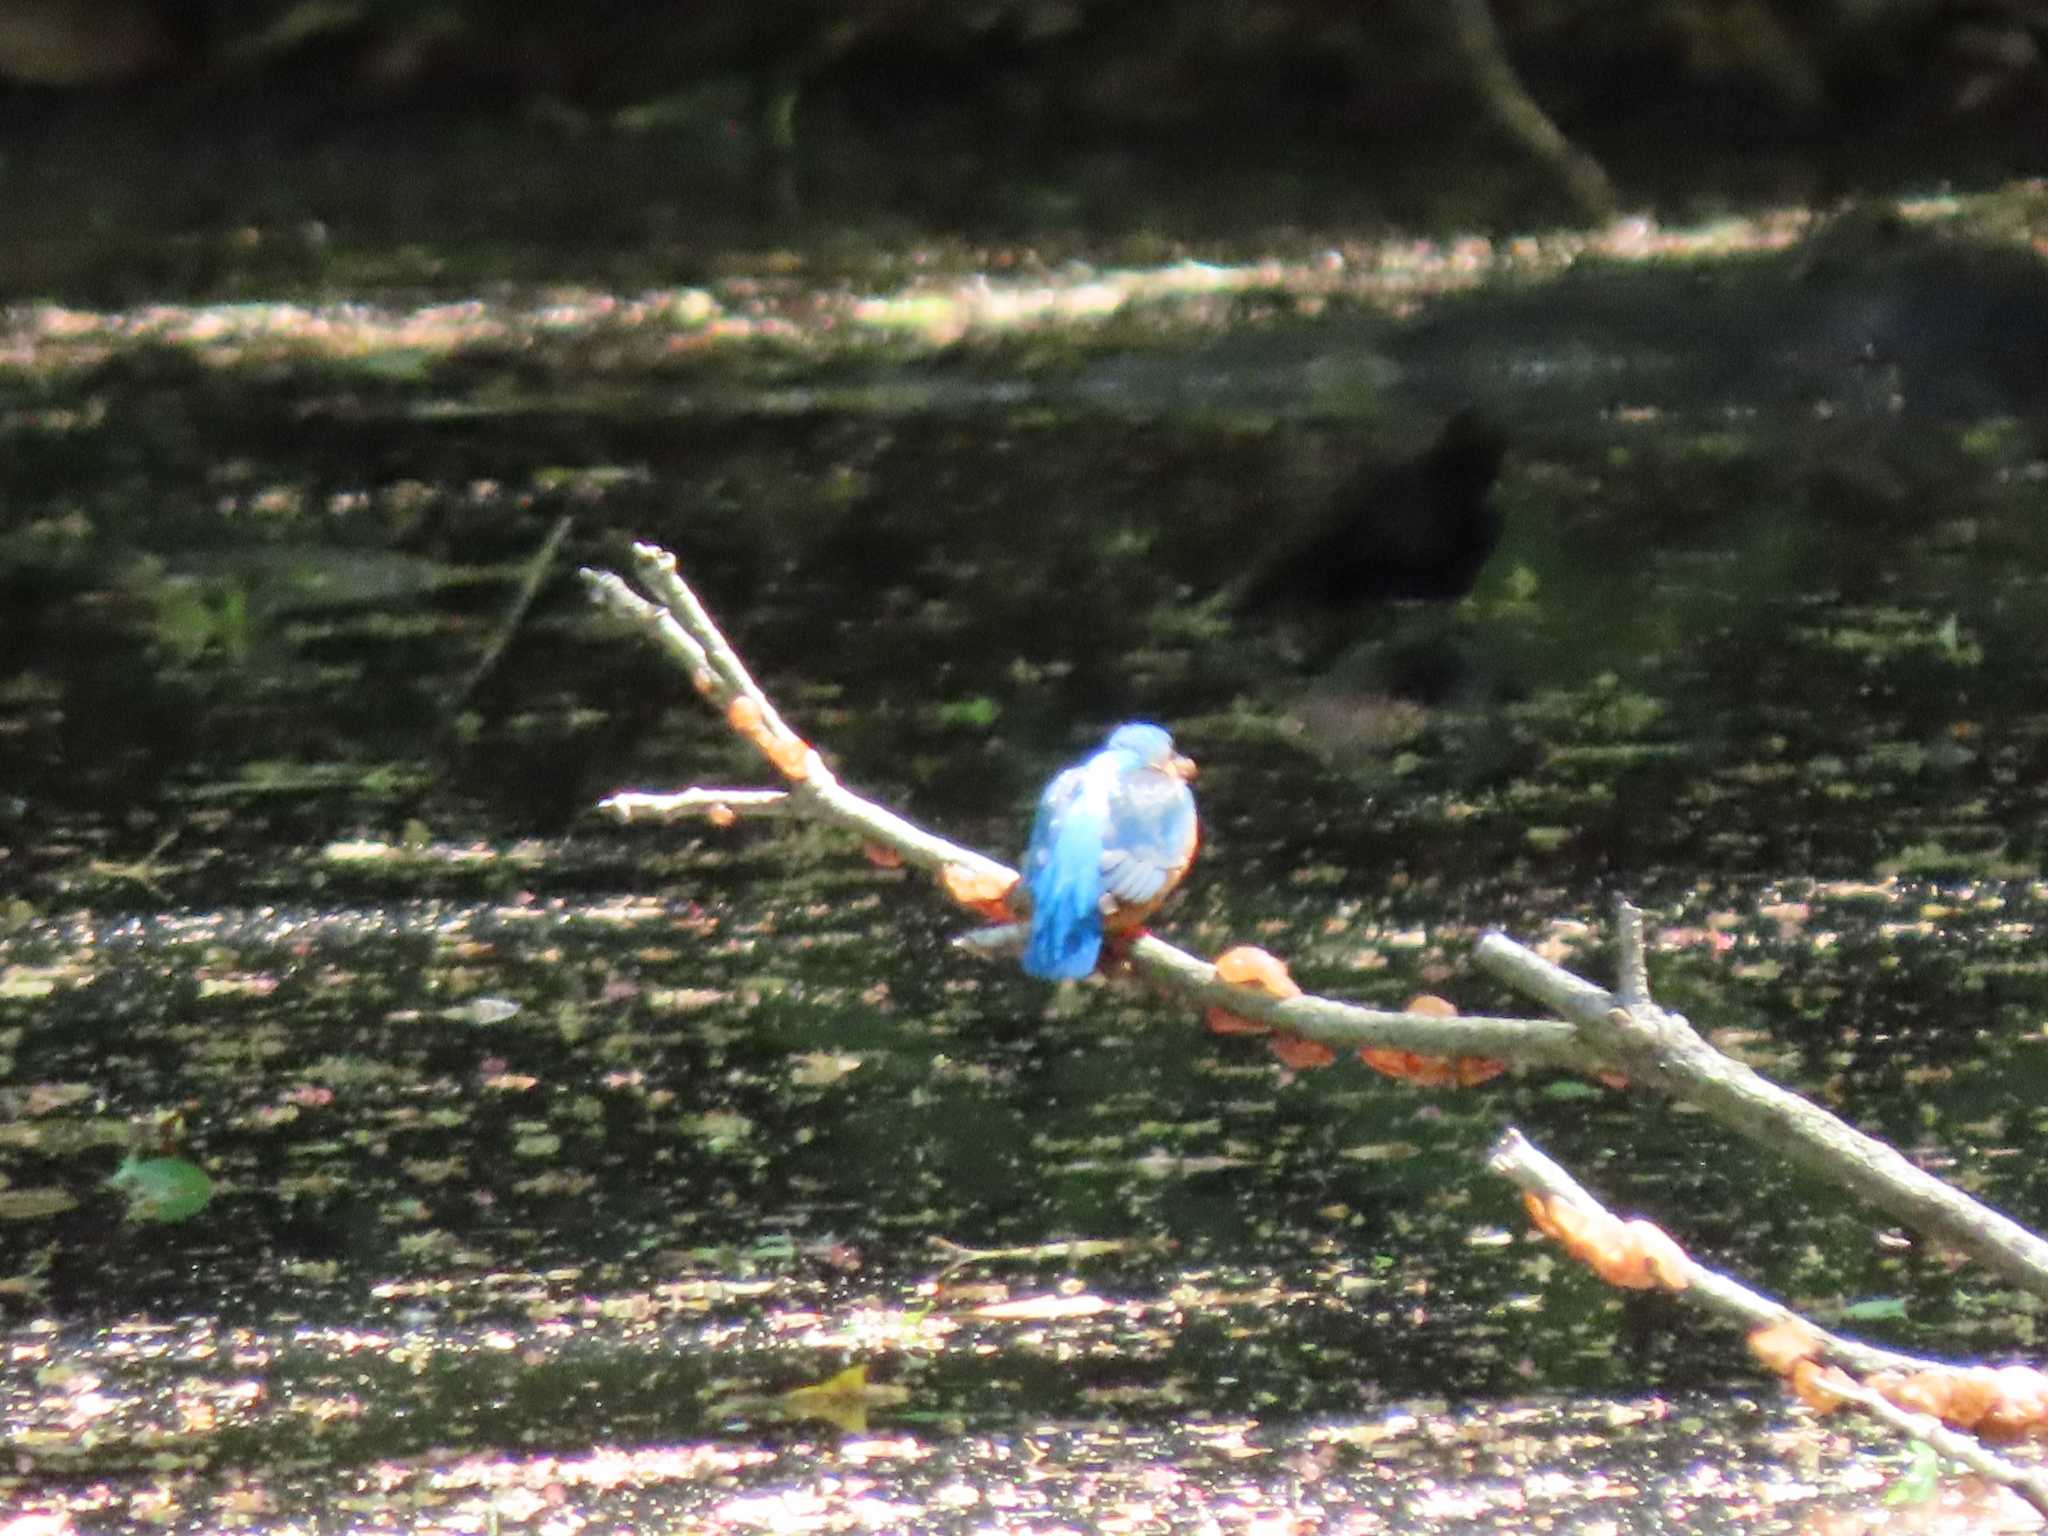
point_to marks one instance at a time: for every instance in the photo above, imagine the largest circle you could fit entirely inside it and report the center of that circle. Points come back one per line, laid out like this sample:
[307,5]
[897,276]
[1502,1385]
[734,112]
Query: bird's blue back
[1117,829]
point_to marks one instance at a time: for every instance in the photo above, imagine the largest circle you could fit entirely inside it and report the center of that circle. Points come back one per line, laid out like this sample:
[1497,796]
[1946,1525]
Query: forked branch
[1595,1032]
[678,622]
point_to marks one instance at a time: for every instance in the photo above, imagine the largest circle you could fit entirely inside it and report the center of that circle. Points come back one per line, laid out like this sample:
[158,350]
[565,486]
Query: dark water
[547,1154]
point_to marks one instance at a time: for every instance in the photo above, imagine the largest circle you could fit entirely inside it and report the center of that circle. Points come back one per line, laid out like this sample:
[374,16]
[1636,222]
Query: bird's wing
[1151,837]
[1063,873]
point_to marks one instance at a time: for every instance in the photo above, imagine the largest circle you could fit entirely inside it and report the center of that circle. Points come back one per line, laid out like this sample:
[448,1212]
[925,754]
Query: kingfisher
[1113,836]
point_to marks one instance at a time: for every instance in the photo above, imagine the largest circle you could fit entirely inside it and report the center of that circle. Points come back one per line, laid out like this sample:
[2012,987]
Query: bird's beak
[1182,768]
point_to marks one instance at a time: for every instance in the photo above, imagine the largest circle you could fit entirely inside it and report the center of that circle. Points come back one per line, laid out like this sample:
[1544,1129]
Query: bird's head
[1152,747]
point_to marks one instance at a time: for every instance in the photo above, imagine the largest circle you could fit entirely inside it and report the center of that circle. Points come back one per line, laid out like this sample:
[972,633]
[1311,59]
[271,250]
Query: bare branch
[1659,1049]
[1597,1031]
[657,569]
[530,582]
[683,629]
[1515,1158]
[682,626]
[1957,1446]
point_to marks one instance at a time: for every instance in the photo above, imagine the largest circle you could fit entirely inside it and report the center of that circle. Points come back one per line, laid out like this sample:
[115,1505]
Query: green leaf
[162,1188]
[1919,1482]
[1875,1309]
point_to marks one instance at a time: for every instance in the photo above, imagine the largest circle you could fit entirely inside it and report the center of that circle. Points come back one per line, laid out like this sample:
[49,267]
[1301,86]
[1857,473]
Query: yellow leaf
[841,1400]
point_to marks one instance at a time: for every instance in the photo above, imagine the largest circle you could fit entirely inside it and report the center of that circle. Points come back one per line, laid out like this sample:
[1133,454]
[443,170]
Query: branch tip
[1632,966]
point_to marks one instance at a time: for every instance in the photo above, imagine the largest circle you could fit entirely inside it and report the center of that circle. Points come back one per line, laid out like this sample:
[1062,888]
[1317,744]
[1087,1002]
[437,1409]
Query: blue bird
[1113,836]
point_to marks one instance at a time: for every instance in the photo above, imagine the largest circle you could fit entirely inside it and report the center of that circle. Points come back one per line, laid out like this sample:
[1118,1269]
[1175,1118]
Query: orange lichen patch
[1300,1052]
[1431,1006]
[789,753]
[981,891]
[882,856]
[1635,1255]
[721,816]
[705,681]
[1249,966]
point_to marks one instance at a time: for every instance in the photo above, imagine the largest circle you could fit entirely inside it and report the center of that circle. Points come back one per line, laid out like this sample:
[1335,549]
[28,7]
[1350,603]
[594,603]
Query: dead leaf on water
[28,1204]
[842,1400]
[821,1069]
[1043,1309]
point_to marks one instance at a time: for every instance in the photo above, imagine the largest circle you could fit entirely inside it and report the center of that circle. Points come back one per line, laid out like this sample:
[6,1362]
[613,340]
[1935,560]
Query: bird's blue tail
[1066,899]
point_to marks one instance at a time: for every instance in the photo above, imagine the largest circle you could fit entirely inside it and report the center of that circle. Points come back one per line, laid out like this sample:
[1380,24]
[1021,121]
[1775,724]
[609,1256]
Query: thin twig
[631,805]
[1956,1445]
[1076,1250]
[1477,40]
[537,569]
[721,677]
[657,569]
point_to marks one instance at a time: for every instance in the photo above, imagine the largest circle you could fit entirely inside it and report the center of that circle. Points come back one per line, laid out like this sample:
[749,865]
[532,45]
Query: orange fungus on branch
[1783,1345]
[1249,966]
[789,753]
[1823,1388]
[1411,1066]
[1995,1402]
[1431,1071]
[1223,1022]
[1635,1255]
[983,891]
[1300,1052]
